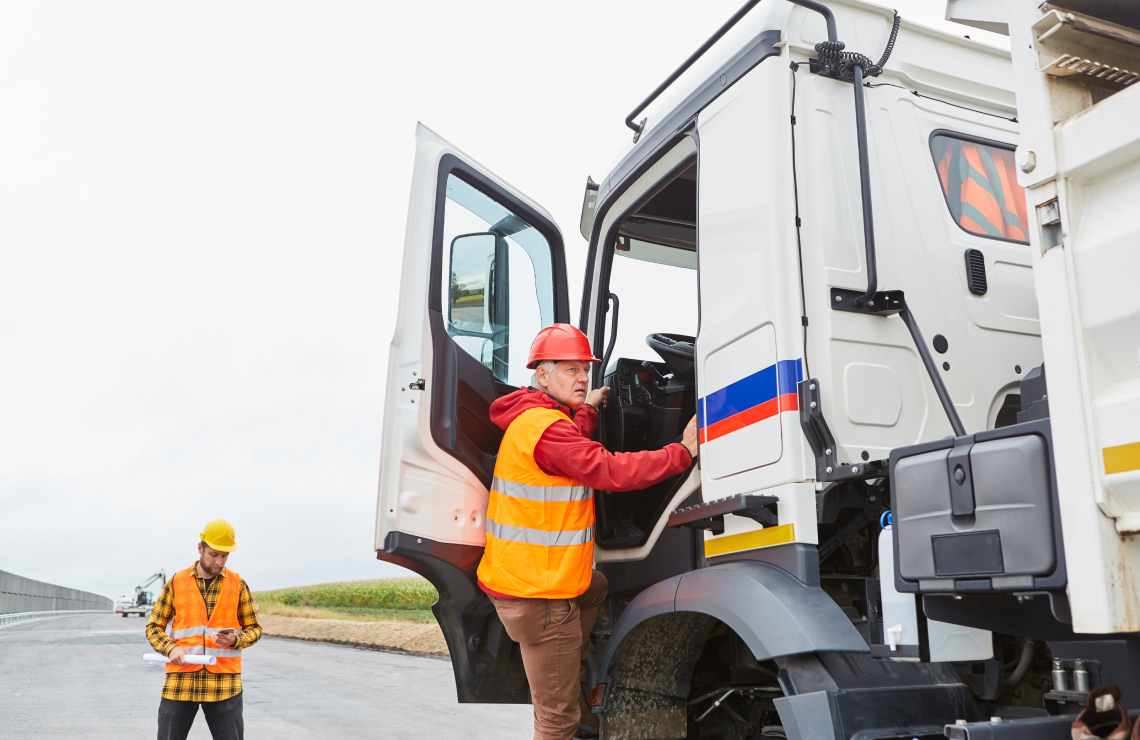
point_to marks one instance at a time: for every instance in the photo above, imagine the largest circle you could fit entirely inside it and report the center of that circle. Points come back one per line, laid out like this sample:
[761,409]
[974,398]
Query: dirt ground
[425,639]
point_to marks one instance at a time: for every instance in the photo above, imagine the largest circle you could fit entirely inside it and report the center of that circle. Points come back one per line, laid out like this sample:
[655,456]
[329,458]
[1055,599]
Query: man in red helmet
[538,564]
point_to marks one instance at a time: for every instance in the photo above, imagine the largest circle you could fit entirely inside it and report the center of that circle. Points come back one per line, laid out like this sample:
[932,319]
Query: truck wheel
[124,614]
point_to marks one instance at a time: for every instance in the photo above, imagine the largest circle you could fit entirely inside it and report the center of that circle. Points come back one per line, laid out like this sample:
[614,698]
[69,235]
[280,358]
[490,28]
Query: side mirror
[589,200]
[469,309]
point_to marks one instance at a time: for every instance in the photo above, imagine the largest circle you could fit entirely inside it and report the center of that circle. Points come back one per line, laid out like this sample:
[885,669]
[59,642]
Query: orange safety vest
[193,630]
[540,528]
[981,188]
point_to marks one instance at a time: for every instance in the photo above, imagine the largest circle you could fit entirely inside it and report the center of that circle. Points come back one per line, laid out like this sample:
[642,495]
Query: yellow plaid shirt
[201,685]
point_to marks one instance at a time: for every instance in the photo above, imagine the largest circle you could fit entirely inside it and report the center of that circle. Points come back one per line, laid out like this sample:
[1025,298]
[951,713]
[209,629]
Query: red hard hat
[560,342]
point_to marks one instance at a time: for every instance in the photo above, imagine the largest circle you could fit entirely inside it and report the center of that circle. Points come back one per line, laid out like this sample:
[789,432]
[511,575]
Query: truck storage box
[978,513]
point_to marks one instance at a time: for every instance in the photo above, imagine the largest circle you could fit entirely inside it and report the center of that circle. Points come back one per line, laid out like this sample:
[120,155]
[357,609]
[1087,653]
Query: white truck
[856,269]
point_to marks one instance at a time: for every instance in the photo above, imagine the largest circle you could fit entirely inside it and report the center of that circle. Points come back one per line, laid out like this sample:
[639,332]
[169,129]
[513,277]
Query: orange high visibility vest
[193,630]
[540,528]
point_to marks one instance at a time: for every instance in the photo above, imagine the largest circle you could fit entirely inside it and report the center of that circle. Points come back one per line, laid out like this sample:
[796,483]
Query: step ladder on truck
[853,246]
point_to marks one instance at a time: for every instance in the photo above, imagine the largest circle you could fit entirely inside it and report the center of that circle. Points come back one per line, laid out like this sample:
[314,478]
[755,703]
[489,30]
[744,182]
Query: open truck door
[483,272]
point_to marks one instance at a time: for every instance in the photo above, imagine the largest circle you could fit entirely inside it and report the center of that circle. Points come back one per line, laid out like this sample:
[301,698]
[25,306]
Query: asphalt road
[84,676]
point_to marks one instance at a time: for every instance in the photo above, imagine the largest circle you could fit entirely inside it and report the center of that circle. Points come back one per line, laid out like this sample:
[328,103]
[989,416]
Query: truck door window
[497,281]
[980,184]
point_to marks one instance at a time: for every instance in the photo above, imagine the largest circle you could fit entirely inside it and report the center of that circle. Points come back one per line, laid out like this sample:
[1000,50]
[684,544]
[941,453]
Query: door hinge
[419,385]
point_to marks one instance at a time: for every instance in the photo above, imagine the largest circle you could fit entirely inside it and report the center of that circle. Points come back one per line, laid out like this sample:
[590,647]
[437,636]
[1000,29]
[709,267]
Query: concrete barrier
[19,594]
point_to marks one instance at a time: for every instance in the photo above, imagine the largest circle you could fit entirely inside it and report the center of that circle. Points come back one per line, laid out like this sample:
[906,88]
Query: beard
[211,571]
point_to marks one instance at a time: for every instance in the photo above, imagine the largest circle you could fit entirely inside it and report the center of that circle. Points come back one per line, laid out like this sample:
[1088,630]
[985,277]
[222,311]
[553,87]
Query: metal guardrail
[7,619]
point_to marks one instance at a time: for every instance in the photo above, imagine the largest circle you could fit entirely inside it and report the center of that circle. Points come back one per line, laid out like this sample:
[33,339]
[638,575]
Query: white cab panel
[749,348]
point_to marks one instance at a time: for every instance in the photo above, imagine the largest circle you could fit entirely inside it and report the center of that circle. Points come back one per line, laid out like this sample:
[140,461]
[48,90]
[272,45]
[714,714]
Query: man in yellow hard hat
[213,615]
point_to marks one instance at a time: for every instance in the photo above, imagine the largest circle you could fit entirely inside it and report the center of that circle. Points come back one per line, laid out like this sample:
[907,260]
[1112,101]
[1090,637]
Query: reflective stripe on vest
[540,528]
[539,536]
[194,631]
[221,652]
[540,493]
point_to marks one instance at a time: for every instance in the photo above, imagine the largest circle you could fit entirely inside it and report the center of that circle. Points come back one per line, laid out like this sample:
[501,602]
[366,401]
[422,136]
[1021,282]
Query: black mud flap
[488,665]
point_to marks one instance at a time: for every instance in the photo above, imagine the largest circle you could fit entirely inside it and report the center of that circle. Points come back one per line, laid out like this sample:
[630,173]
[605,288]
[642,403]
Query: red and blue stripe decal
[760,396]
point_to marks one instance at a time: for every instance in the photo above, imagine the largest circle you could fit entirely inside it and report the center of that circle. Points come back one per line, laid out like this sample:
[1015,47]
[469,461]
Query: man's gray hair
[550,366]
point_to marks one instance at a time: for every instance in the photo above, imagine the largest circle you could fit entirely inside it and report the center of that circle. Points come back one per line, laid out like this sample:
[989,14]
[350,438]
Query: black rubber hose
[1023,665]
[890,44]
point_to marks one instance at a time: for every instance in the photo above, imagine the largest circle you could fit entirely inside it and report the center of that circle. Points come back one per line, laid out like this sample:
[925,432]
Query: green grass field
[400,599]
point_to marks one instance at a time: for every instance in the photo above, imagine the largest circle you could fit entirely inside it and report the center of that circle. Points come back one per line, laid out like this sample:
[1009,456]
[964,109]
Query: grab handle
[613,334]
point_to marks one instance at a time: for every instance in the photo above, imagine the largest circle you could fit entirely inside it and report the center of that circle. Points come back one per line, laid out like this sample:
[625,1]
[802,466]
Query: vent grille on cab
[976,271]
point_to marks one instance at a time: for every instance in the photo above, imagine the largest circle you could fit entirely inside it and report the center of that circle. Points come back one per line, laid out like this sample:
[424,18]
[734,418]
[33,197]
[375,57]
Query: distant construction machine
[144,600]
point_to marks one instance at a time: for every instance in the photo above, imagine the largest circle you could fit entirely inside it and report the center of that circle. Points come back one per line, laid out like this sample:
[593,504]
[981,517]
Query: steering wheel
[672,345]
[677,350]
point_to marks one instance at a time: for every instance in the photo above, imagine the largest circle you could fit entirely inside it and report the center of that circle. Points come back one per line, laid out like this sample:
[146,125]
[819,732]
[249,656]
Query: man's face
[568,383]
[212,561]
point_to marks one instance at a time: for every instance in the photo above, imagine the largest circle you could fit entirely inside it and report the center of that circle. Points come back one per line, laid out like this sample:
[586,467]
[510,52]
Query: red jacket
[565,448]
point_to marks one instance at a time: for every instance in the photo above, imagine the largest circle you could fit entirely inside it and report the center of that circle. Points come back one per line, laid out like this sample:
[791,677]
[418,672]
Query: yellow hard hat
[219,534]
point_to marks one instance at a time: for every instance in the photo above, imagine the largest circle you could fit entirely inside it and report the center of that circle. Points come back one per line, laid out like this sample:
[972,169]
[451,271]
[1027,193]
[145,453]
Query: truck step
[710,515]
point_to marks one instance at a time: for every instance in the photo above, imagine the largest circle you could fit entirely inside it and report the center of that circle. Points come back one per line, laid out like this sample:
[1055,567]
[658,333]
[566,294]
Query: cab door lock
[418,385]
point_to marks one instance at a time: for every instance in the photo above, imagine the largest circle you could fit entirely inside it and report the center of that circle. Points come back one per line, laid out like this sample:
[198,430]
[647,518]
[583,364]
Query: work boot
[1104,716]
[589,723]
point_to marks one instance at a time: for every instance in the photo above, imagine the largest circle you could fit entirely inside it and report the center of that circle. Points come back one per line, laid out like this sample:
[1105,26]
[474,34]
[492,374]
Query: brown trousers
[554,635]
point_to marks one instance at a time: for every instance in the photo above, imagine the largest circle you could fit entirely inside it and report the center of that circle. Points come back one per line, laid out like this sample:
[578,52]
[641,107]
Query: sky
[202,207]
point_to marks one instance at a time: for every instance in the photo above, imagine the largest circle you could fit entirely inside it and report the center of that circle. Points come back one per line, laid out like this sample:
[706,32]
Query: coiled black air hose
[832,56]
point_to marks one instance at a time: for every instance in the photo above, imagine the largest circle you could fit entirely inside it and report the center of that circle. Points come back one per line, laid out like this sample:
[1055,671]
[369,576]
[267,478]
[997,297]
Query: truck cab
[836,277]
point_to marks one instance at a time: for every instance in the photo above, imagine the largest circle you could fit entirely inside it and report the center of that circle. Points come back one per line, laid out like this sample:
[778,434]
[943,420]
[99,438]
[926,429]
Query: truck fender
[648,663]
[772,612]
